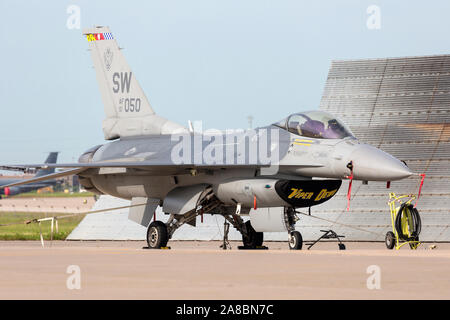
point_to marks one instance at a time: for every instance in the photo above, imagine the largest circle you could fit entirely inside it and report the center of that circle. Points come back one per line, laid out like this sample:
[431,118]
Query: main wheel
[390,240]
[253,239]
[295,240]
[157,235]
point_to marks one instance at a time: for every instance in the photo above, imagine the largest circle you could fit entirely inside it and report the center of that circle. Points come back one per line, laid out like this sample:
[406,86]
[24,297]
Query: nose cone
[372,164]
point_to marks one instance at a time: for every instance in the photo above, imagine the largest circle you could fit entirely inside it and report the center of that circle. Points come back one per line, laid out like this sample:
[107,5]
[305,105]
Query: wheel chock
[253,248]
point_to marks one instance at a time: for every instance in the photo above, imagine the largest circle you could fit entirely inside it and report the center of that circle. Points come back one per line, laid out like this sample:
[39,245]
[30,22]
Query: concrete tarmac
[47,205]
[200,270]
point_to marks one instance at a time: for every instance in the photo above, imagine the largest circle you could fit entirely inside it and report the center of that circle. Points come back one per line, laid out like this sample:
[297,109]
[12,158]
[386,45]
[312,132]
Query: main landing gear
[157,235]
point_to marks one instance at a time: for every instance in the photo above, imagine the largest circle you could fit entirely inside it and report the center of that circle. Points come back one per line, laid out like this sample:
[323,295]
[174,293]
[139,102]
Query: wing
[46,177]
[148,167]
[13,168]
[105,167]
[120,167]
[157,167]
[152,165]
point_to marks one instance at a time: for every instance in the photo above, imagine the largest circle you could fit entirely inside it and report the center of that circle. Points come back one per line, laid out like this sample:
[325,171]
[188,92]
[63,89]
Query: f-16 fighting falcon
[266,173]
[11,191]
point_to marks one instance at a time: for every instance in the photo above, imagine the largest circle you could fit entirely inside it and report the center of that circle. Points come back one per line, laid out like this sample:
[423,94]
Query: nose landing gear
[295,240]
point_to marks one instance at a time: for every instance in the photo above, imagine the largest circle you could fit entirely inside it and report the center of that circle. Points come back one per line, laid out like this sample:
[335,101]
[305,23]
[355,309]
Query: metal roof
[402,106]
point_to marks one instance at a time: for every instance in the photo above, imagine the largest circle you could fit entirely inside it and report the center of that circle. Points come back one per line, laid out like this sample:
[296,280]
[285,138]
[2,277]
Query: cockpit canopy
[315,124]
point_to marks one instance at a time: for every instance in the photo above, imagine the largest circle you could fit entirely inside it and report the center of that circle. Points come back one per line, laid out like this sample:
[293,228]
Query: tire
[295,241]
[157,235]
[389,240]
[341,246]
[416,222]
[253,239]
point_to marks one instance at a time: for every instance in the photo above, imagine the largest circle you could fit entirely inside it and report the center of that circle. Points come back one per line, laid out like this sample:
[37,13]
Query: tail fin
[127,110]
[52,158]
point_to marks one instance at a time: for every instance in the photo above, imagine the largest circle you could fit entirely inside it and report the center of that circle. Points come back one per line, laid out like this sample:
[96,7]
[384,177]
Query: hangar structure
[400,105]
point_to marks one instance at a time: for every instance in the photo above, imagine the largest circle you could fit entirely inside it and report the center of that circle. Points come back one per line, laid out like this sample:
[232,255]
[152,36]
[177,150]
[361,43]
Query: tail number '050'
[132,104]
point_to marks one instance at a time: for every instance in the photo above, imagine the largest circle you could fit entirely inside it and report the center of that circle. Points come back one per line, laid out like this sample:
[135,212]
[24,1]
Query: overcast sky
[216,61]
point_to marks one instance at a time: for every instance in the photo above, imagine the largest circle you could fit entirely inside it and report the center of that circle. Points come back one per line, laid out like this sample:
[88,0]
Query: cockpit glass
[317,124]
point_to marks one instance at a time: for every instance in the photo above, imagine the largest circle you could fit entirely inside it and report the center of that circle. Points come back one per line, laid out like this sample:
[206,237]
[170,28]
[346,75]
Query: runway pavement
[200,270]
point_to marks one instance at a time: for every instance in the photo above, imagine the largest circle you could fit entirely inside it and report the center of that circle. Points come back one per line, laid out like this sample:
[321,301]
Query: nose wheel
[295,240]
[157,235]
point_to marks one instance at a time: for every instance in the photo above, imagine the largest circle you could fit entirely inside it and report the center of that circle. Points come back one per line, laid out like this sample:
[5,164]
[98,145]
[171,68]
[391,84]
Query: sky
[200,60]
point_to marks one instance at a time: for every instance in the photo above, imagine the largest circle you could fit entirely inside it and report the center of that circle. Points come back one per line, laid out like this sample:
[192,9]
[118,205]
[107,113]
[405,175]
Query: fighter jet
[266,173]
[11,191]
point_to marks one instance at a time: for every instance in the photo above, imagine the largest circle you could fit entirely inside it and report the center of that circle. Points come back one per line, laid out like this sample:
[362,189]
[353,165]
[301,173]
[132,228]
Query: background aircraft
[298,162]
[11,191]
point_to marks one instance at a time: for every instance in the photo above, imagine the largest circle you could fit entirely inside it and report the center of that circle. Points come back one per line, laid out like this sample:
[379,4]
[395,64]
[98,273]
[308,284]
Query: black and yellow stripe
[303,142]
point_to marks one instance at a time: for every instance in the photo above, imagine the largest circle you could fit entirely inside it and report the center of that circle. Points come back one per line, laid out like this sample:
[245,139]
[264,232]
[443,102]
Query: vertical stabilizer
[127,109]
[52,158]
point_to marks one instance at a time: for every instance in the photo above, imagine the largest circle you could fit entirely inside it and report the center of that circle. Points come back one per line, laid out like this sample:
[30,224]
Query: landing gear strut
[226,229]
[295,238]
[159,233]
[250,238]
